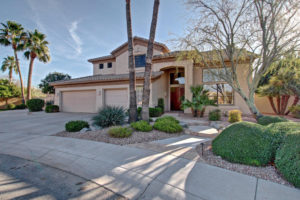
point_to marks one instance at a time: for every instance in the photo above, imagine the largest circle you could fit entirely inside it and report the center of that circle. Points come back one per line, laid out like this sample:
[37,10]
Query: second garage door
[79,101]
[116,97]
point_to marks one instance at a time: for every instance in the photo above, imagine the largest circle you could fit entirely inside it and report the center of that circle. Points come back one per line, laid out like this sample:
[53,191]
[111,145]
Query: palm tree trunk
[272,104]
[278,104]
[286,101]
[294,103]
[29,78]
[20,76]
[148,68]
[10,75]
[131,66]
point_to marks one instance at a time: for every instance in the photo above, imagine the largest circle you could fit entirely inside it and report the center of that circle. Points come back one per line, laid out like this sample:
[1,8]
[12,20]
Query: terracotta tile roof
[103,78]
[101,58]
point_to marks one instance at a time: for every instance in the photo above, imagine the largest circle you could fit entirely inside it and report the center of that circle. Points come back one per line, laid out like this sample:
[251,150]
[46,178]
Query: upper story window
[101,66]
[210,75]
[109,65]
[140,60]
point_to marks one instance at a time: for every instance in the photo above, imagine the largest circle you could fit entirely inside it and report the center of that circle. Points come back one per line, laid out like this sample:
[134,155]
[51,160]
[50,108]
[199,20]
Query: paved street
[132,172]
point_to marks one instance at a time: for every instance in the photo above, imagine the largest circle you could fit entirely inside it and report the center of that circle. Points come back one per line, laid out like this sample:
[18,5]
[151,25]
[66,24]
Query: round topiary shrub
[243,142]
[110,116]
[52,108]
[234,116]
[266,120]
[169,118]
[11,106]
[288,159]
[167,125]
[120,132]
[75,126]
[35,105]
[141,126]
[277,132]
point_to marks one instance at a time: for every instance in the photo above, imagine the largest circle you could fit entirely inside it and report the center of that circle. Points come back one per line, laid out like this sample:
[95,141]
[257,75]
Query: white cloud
[78,43]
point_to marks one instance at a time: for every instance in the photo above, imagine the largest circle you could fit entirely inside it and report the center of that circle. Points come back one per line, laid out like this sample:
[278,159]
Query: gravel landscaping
[268,173]
[103,136]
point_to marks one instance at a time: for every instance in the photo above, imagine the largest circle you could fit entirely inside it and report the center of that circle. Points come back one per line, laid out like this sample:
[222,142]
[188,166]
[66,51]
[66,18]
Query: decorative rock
[84,130]
[95,128]
[183,124]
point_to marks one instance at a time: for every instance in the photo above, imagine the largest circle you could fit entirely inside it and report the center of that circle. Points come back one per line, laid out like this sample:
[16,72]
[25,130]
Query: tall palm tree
[9,64]
[12,34]
[131,66]
[148,68]
[36,46]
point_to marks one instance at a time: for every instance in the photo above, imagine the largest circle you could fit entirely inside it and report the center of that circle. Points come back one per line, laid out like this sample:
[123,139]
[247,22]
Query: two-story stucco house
[171,79]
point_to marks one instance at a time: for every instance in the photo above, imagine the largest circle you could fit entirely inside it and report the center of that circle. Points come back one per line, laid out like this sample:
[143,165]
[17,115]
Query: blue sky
[81,29]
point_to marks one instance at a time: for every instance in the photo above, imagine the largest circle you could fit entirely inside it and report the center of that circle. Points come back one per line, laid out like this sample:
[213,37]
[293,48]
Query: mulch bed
[268,172]
[103,136]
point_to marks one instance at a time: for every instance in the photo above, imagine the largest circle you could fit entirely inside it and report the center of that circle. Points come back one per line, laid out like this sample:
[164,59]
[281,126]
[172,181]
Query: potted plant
[199,101]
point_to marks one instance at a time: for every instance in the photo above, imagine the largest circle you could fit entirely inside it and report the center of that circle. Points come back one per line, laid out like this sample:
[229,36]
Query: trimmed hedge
[288,159]
[141,126]
[168,125]
[277,132]
[120,132]
[75,126]
[266,120]
[110,116]
[52,109]
[21,106]
[170,118]
[243,142]
[155,112]
[214,115]
[234,116]
[35,105]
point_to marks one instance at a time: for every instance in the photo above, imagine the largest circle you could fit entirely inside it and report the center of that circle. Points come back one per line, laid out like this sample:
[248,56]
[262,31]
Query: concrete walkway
[138,173]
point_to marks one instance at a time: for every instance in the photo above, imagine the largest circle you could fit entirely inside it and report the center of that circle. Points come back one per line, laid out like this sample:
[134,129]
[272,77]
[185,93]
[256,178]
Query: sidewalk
[142,174]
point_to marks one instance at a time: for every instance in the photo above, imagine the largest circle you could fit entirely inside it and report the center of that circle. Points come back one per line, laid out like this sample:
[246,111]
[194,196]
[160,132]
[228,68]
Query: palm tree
[12,34]
[9,64]
[131,66]
[148,68]
[36,46]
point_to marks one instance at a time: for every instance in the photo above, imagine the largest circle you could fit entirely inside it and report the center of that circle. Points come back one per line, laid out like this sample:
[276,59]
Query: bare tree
[227,33]
[148,68]
[131,66]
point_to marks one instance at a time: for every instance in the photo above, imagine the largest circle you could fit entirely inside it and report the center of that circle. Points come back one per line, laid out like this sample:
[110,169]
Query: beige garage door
[116,97]
[79,101]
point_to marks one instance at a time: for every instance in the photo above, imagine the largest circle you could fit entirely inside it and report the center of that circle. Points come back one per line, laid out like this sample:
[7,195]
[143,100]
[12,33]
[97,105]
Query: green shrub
[110,116]
[10,106]
[167,125]
[120,132]
[214,115]
[243,142]
[266,120]
[21,106]
[52,109]
[288,159]
[170,118]
[139,111]
[295,110]
[35,105]
[75,126]
[161,104]
[277,132]
[141,126]
[155,112]
[235,116]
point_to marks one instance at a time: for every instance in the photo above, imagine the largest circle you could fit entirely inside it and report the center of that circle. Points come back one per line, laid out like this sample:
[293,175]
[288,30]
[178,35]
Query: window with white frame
[218,89]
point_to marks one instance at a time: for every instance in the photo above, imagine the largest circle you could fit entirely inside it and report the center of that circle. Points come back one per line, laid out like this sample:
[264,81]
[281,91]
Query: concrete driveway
[37,123]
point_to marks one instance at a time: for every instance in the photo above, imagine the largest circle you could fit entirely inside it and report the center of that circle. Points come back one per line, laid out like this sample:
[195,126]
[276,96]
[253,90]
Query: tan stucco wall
[105,70]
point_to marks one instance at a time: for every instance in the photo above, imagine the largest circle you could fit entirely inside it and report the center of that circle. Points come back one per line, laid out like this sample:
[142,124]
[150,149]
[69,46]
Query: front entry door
[176,94]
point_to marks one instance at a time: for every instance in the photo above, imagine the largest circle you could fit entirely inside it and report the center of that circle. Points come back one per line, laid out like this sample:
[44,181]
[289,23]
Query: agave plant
[110,116]
[199,100]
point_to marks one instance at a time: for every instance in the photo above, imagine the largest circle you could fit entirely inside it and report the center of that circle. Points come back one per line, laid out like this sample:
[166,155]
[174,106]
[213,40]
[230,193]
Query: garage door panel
[116,97]
[79,101]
